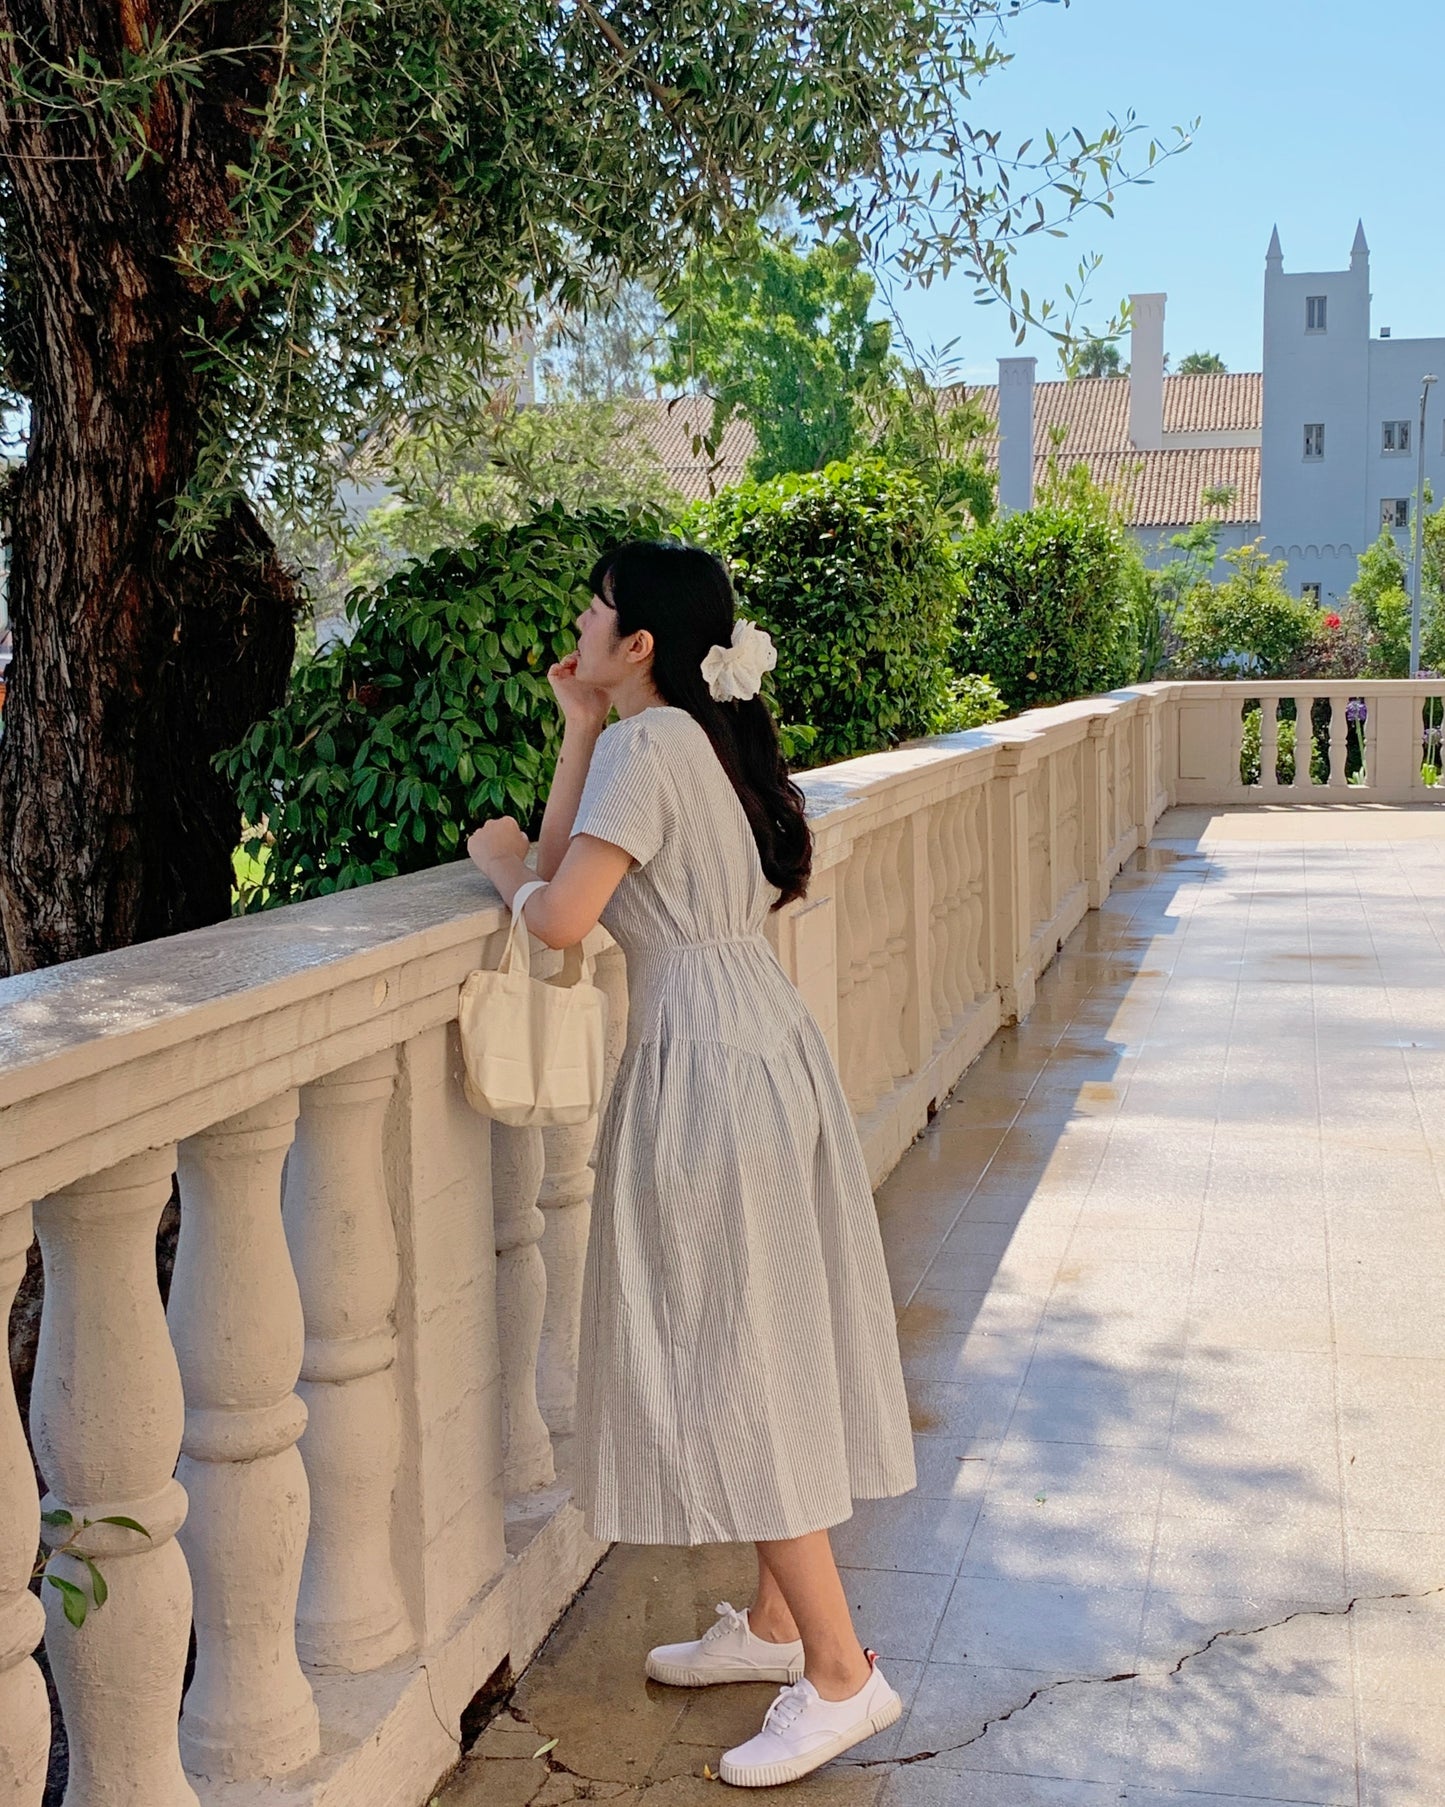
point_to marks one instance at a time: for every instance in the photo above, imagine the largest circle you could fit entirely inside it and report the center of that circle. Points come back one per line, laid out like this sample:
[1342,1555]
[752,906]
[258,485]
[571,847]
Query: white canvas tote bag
[532,1047]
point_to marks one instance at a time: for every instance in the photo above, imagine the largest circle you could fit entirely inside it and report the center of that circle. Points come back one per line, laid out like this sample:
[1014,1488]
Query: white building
[1319,452]
[1339,455]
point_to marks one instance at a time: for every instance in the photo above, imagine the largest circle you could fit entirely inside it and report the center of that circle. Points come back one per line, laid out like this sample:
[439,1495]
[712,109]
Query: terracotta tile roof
[1095,410]
[1164,489]
[671,426]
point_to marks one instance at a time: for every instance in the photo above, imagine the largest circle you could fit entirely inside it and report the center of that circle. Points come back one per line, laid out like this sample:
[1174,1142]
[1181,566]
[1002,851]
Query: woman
[739,1378]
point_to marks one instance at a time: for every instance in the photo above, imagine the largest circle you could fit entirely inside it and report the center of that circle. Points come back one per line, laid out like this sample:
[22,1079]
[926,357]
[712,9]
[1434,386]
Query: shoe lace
[728,1619]
[785,1709]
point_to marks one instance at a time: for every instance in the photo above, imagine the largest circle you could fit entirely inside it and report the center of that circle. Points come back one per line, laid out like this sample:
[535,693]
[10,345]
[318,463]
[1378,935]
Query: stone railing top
[86,1016]
[173,989]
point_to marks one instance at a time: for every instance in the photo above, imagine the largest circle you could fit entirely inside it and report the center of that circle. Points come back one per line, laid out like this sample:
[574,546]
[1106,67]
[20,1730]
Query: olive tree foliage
[417,172]
[242,239]
[605,352]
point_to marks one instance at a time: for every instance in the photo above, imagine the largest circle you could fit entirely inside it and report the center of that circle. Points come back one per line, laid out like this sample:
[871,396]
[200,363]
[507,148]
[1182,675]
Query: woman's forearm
[565,795]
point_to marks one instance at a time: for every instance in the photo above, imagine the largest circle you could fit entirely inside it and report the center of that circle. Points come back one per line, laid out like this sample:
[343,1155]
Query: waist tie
[671,950]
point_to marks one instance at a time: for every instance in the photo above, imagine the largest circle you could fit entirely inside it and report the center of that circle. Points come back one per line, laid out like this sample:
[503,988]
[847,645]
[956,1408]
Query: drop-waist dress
[739,1375]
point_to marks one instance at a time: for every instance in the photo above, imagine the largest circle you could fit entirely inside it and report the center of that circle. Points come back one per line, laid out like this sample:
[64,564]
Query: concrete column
[235,1318]
[106,1416]
[352,1617]
[1146,372]
[1016,433]
[24,1711]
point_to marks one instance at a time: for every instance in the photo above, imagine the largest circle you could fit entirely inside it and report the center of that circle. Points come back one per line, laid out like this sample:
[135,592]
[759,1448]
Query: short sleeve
[625,798]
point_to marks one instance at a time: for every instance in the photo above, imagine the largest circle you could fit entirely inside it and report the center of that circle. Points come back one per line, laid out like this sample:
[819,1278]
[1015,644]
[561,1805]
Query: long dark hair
[683,597]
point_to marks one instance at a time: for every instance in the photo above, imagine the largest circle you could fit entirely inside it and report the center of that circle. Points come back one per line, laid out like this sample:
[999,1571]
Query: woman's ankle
[839,1680]
[771,1628]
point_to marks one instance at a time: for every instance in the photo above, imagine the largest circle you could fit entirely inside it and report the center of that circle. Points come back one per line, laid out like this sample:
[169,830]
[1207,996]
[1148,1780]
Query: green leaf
[72,1599]
[99,1591]
[126,1524]
[57,1518]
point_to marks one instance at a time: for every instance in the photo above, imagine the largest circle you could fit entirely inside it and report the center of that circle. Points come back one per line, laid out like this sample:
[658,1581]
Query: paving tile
[1034,1542]
[1057,1629]
[1017,1721]
[896,1614]
[924,1786]
[913,1534]
[1400,1649]
[1221,1734]
[1300,1645]
[1286,1558]
[1402,1751]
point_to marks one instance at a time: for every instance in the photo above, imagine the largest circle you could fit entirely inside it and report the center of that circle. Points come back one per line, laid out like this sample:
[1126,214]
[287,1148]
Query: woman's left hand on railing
[495,841]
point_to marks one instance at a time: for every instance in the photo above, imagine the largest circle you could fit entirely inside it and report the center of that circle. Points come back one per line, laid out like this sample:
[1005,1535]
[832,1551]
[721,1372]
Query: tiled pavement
[1171,1278]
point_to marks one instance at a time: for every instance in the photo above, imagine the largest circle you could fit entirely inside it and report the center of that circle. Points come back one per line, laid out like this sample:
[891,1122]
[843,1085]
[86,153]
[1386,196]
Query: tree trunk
[134,661]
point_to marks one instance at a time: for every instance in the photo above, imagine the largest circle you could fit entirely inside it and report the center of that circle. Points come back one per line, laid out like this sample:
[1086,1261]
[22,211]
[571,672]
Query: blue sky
[1313,114]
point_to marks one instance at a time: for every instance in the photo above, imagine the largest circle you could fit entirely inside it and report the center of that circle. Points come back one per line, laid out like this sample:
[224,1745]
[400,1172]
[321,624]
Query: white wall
[1396,367]
[1314,512]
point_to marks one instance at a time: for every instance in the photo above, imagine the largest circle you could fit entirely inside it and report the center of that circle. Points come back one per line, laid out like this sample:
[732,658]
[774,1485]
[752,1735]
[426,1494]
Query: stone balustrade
[347,1437]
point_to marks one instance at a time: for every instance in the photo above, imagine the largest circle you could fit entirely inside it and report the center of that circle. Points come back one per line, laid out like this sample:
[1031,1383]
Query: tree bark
[134,661]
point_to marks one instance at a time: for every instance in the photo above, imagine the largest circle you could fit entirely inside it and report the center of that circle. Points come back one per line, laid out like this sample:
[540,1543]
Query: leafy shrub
[437,715]
[850,571]
[1045,606]
[972,702]
[1250,622]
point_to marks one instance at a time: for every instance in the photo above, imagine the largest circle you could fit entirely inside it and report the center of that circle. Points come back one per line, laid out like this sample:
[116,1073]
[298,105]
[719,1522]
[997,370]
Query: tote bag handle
[517,955]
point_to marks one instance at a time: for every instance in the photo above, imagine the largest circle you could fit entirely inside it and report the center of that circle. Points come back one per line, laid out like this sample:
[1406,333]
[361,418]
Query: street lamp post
[1419,534]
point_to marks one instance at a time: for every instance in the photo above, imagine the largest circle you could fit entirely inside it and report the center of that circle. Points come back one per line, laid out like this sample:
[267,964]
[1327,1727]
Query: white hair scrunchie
[734,674]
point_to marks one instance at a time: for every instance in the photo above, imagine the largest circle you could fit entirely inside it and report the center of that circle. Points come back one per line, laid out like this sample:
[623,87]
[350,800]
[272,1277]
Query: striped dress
[739,1374]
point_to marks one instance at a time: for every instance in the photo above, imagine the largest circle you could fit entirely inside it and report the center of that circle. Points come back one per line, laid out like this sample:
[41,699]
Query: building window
[1310,593]
[1315,439]
[1395,511]
[1395,436]
[1315,313]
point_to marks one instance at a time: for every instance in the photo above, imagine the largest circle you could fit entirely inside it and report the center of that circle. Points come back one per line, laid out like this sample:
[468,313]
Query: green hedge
[438,714]
[851,572]
[1047,605]
[1250,622]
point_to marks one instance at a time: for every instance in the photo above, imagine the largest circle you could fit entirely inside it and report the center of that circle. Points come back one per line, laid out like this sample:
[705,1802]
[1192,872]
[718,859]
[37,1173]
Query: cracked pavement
[1168,1270]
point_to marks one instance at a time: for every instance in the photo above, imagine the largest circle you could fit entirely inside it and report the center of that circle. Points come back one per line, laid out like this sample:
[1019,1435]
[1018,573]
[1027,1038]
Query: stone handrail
[1370,737]
[347,1435]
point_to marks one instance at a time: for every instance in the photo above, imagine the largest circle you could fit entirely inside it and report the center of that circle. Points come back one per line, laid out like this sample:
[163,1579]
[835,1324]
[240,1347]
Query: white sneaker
[727,1652]
[802,1732]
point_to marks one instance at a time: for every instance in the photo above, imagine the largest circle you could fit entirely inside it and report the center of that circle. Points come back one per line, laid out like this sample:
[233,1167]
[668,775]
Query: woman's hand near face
[583,705]
[497,840]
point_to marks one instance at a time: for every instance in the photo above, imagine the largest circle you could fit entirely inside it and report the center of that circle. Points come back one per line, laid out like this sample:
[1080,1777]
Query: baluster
[106,1416]
[882,1016]
[1371,771]
[1304,742]
[960,904]
[235,1316]
[942,840]
[1269,743]
[517,1168]
[899,882]
[24,1710]
[975,863]
[351,1616]
[565,1201]
[853,972]
[1339,741]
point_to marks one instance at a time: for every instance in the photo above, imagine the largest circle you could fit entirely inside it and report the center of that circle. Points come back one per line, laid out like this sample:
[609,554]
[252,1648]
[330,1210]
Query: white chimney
[1146,371]
[1016,434]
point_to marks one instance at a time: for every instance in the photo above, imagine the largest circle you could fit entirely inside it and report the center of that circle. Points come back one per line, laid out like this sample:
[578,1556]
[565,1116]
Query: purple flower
[1355,710]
